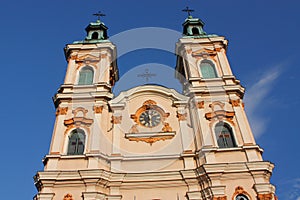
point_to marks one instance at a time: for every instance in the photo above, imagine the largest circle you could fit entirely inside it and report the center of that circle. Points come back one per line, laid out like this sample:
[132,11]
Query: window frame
[212,64]
[232,135]
[67,143]
[87,67]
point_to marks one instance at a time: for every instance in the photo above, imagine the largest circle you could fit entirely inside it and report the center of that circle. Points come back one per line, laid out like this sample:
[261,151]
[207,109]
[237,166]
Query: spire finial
[188,11]
[99,14]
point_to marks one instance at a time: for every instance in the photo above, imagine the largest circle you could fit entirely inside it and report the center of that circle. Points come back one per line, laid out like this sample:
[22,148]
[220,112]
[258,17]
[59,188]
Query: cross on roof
[99,14]
[188,10]
[146,75]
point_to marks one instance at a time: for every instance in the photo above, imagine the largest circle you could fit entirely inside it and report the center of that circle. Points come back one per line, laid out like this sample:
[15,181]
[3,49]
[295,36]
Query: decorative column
[224,62]
[104,67]
[57,137]
[116,120]
[190,63]
[95,138]
[186,138]
[242,122]
[95,134]
[58,130]
[205,130]
[116,156]
[70,77]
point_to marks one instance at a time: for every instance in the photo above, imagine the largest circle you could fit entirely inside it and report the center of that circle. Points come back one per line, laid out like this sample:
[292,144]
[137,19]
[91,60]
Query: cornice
[236,167]
[113,157]
[103,177]
[140,90]
[200,90]
[69,48]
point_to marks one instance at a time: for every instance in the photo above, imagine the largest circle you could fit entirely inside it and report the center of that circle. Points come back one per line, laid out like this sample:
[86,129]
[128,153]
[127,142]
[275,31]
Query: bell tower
[227,155]
[82,119]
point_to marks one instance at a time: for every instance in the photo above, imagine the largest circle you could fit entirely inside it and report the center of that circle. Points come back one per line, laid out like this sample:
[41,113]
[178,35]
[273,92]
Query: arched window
[76,142]
[208,69]
[86,76]
[195,31]
[95,36]
[241,197]
[224,135]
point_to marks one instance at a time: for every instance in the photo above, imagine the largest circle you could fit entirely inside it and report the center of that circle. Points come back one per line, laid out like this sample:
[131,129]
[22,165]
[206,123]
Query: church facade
[151,142]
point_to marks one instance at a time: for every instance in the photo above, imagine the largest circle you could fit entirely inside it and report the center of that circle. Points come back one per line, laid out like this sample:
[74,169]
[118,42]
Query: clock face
[150,118]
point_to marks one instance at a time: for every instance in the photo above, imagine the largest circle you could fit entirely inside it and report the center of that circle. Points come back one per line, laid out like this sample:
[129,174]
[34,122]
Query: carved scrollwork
[189,51]
[204,53]
[149,104]
[80,111]
[268,196]
[79,120]
[181,116]
[138,132]
[72,57]
[200,104]
[167,128]
[61,111]
[235,102]
[217,105]
[68,197]
[149,137]
[116,119]
[87,59]
[98,109]
[240,190]
[104,55]
[218,113]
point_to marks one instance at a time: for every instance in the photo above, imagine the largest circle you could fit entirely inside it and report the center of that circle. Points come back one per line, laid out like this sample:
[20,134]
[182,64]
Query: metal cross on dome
[146,75]
[99,14]
[188,10]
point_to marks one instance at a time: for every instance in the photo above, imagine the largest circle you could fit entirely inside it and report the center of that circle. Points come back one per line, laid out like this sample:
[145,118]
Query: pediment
[156,90]
[88,57]
[204,51]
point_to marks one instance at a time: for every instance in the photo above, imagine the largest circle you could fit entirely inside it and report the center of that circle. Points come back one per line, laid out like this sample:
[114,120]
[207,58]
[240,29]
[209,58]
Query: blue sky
[263,52]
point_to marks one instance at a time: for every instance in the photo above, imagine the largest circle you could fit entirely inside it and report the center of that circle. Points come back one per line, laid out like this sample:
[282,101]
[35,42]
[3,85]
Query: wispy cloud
[255,97]
[291,189]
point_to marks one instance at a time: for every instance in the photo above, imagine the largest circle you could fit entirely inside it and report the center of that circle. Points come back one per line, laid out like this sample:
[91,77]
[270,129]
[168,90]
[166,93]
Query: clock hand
[150,118]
